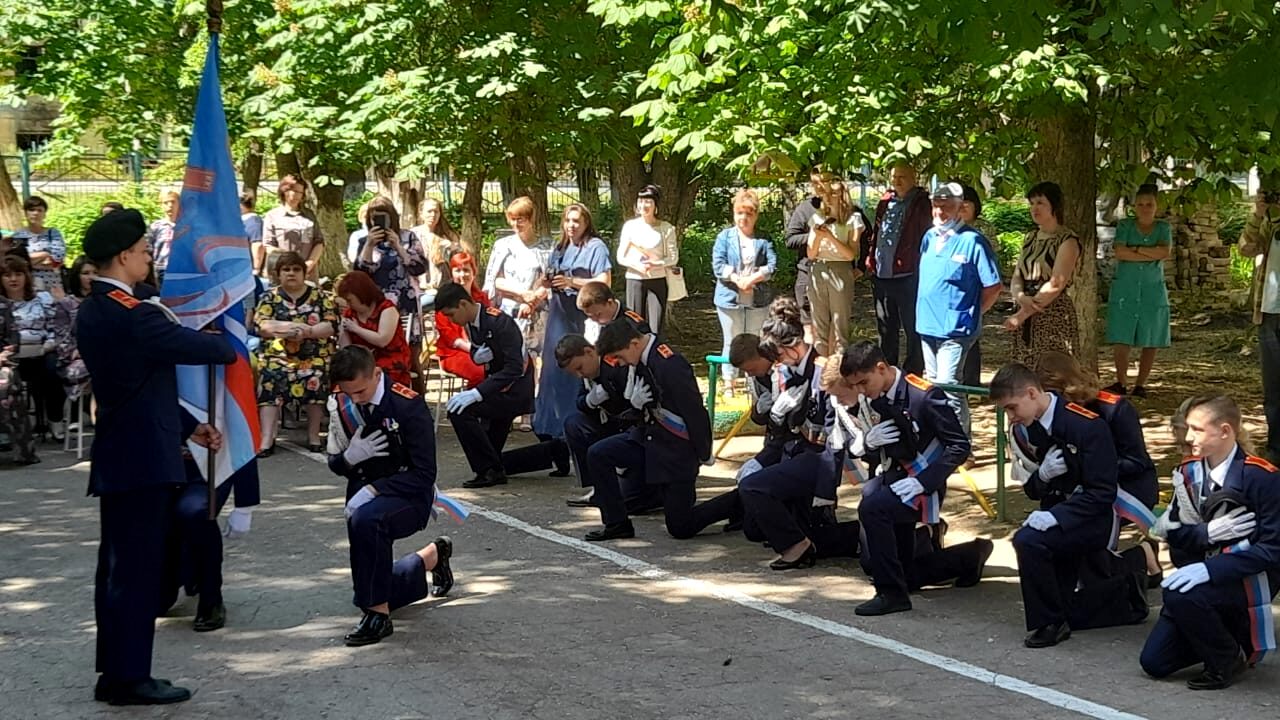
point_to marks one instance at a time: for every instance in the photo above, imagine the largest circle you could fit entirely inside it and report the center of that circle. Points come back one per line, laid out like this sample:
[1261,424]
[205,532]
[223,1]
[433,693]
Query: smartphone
[380,220]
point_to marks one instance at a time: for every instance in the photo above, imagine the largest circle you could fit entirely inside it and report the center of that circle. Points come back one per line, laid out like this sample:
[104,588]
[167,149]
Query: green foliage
[351,210]
[1007,247]
[1008,216]
[1231,220]
[1241,269]
[73,217]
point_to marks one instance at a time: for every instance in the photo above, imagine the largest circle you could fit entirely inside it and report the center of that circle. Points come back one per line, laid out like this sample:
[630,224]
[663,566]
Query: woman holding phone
[393,257]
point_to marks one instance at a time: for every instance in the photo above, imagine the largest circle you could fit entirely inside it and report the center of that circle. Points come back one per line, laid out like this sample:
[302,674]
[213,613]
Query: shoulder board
[634,316]
[665,351]
[493,311]
[1108,398]
[1189,460]
[1082,411]
[124,299]
[1260,462]
[919,382]
[403,391]
[612,361]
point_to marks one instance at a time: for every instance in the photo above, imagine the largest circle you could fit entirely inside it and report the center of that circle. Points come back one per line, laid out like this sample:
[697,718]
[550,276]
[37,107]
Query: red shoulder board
[1082,411]
[403,391]
[919,382]
[493,311]
[665,351]
[634,316]
[124,299]
[1108,398]
[1260,462]
[612,361]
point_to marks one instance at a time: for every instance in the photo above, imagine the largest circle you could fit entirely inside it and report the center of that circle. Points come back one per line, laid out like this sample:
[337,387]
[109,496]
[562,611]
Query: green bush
[1008,215]
[1241,269]
[1007,247]
[1231,220]
[74,215]
[351,210]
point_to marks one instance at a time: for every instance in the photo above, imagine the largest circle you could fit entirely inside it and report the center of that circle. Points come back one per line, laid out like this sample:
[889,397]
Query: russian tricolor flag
[208,275]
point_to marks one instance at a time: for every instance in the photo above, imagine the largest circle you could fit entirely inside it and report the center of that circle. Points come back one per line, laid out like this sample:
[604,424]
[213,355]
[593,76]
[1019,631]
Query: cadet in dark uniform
[601,307]
[382,440]
[130,348]
[1225,523]
[913,442]
[670,443]
[1076,486]
[482,416]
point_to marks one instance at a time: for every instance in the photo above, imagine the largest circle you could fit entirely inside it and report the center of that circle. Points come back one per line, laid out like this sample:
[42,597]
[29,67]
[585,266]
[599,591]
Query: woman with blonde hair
[439,241]
[835,235]
[742,261]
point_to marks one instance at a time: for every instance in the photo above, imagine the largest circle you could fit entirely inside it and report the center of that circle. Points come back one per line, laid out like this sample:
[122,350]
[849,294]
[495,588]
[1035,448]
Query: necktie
[1039,437]
[366,412]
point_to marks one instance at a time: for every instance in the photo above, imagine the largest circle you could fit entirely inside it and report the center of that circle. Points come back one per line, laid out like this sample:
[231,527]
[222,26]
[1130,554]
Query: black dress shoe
[442,573]
[807,559]
[1048,636]
[268,451]
[615,531]
[822,516]
[883,605]
[490,478]
[315,447]
[371,629]
[583,501]
[734,525]
[27,461]
[210,619]
[984,548]
[142,692]
[1215,680]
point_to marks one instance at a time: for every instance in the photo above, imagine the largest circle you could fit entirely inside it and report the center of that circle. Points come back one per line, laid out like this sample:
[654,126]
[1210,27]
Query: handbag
[676,289]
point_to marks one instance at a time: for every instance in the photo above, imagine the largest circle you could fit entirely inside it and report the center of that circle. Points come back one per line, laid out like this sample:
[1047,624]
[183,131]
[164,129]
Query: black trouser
[483,427]
[371,530]
[44,384]
[649,298]
[768,494]
[1207,624]
[544,455]
[802,290]
[971,374]
[896,310]
[1112,590]
[195,546]
[127,585]
[890,554]
[1049,567]
[1269,349]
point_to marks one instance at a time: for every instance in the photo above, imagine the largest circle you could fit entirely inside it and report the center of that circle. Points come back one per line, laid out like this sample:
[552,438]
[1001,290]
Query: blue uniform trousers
[483,427]
[1207,625]
[767,495]
[1049,567]
[127,587]
[196,545]
[371,530]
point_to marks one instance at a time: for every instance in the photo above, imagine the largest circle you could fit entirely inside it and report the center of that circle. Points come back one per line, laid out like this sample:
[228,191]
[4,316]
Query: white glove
[787,402]
[763,404]
[907,488]
[463,400]
[1054,464]
[748,468]
[1230,527]
[641,395]
[238,522]
[1040,520]
[1187,577]
[362,496]
[365,448]
[597,395]
[631,382]
[481,354]
[886,433]
[1165,524]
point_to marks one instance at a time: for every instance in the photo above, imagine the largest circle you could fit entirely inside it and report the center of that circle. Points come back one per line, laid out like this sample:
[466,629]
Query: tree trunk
[473,209]
[1065,155]
[251,168]
[11,215]
[287,164]
[328,209]
[679,183]
[588,187]
[627,175]
[529,177]
[354,183]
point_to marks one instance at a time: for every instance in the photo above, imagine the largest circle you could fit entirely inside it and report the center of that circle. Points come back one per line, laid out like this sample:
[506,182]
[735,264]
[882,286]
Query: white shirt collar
[117,283]
[1219,474]
[617,310]
[1046,419]
[378,394]
[475,321]
[897,380]
[648,347]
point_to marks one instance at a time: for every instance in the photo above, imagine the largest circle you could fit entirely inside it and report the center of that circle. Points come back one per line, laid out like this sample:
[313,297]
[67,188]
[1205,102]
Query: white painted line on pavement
[650,571]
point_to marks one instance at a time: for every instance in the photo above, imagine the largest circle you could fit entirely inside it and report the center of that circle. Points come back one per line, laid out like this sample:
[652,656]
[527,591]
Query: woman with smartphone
[393,258]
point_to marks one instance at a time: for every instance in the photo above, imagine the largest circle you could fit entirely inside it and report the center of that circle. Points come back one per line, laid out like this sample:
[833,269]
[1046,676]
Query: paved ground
[542,625]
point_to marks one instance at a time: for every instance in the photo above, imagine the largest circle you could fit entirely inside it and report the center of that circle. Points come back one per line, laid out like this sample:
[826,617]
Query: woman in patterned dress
[297,324]
[1046,316]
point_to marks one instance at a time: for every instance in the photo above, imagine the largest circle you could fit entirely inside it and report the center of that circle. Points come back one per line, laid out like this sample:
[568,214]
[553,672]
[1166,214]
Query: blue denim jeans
[943,360]
[734,322]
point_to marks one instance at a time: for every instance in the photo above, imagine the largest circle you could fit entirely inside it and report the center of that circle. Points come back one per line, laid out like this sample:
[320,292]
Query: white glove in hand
[886,433]
[1230,527]
[463,400]
[1054,464]
[365,448]
[786,402]
[907,488]
[481,354]
[238,522]
[641,395]
[597,395]
[748,468]
[362,496]
[1187,577]
[631,383]
[763,404]
[1041,520]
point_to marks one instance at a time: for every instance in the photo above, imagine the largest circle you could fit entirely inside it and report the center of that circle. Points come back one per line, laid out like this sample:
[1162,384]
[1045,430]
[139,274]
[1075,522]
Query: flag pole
[213,11]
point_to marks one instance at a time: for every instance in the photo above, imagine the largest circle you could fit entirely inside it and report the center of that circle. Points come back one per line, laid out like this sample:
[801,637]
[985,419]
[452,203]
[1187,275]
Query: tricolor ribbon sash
[1257,590]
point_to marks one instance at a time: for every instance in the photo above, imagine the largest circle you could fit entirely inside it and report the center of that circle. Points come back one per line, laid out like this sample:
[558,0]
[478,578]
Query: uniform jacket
[776,435]
[130,348]
[409,470]
[931,417]
[1084,434]
[672,455]
[805,428]
[618,409]
[633,318]
[1259,482]
[1135,471]
[510,370]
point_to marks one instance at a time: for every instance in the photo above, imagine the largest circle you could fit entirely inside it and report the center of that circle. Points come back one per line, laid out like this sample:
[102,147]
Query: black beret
[114,233]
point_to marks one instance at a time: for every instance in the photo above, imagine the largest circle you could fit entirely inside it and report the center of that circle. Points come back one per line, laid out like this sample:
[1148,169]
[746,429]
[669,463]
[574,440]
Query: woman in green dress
[1138,309]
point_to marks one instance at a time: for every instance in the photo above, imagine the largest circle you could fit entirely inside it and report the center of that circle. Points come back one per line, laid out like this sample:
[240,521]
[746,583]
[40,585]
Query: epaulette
[403,391]
[493,311]
[1263,463]
[1082,411]
[124,299]
[1108,397]
[612,361]
[1189,460]
[665,351]
[918,382]
[634,316]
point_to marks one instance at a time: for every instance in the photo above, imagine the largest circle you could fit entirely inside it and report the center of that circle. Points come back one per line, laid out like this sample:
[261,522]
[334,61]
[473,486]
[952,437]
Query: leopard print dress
[1053,328]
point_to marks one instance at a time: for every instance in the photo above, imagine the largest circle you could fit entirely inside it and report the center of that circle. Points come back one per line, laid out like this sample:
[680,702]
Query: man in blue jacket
[130,348]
